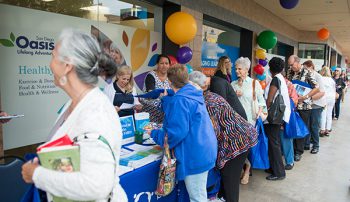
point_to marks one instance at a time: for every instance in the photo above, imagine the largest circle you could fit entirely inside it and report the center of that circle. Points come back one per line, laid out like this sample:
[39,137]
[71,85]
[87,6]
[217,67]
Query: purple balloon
[289,4]
[263,62]
[184,55]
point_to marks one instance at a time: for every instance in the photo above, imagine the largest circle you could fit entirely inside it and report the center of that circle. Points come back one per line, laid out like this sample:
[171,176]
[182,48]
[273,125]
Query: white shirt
[284,92]
[329,86]
[98,175]
[323,100]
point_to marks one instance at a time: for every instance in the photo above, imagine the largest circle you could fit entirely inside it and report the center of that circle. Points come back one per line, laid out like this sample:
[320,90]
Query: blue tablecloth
[141,183]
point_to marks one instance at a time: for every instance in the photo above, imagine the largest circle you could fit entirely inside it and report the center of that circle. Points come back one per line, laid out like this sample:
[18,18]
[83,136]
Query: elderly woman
[272,130]
[190,133]
[90,118]
[156,79]
[254,106]
[234,134]
[250,94]
[224,68]
[329,85]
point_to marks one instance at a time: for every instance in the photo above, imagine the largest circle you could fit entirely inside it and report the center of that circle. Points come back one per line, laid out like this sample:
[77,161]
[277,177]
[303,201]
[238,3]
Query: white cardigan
[94,115]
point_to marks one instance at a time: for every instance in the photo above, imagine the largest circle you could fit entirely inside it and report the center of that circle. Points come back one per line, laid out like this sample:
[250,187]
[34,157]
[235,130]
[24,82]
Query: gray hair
[244,62]
[114,47]
[198,78]
[296,58]
[82,51]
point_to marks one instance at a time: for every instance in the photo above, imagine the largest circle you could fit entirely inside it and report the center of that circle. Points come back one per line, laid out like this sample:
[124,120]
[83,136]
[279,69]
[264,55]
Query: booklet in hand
[62,141]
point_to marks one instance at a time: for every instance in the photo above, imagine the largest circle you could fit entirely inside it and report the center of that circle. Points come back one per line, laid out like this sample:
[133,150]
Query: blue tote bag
[258,155]
[296,127]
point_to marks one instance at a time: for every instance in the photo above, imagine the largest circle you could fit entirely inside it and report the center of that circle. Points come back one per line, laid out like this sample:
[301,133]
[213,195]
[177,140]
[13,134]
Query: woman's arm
[150,83]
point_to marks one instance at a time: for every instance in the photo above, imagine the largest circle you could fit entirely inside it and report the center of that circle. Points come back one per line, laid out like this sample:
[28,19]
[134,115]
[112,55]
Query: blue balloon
[261,77]
[189,68]
[333,68]
[289,4]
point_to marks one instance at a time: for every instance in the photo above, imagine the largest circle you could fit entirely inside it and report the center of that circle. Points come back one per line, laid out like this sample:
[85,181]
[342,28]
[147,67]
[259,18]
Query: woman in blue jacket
[190,133]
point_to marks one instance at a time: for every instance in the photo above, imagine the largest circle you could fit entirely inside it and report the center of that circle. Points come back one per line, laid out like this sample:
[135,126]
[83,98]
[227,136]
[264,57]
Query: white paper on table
[11,116]
[124,169]
[126,106]
[124,152]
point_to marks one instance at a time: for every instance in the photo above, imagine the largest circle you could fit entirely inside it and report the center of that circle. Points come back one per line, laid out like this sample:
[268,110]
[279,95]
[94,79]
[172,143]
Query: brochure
[11,116]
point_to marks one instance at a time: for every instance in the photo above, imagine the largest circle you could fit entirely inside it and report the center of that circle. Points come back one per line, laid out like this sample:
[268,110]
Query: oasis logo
[42,43]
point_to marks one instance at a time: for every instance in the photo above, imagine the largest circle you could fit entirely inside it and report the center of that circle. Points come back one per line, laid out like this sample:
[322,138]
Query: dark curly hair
[276,65]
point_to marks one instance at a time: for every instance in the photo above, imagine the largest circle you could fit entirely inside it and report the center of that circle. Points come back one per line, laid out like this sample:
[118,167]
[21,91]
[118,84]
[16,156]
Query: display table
[141,183]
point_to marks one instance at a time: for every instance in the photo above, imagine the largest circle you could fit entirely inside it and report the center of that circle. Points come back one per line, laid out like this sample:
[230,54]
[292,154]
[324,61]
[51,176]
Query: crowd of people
[209,122]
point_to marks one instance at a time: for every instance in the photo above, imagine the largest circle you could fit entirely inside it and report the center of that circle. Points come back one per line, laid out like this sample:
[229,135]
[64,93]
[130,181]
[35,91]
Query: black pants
[272,132]
[300,143]
[231,177]
[336,109]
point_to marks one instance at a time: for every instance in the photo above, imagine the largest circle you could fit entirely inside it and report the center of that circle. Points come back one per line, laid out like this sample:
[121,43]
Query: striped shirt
[234,134]
[306,76]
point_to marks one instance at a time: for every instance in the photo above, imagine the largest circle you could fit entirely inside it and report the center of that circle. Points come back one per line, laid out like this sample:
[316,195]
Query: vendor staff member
[123,91]
[158,78]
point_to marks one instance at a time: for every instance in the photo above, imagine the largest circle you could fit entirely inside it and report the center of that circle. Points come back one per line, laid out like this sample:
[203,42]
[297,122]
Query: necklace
[79,98]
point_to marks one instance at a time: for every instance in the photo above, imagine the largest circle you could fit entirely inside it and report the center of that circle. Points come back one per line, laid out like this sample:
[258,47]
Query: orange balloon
[323,34]
[263,84]
[181,27]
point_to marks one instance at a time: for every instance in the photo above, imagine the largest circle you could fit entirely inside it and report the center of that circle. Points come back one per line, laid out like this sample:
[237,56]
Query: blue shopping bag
[32,194]
[296,127]
[258,155]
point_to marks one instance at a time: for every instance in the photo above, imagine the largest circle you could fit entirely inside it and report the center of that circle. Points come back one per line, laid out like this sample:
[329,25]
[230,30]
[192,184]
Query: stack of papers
[142,155]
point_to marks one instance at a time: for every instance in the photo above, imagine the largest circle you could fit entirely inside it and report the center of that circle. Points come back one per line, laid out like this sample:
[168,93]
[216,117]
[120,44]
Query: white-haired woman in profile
[89,118]
[251,96]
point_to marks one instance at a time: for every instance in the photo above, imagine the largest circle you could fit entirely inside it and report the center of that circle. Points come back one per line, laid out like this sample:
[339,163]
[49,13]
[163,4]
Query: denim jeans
[315,125]
[196,186]
[287,148]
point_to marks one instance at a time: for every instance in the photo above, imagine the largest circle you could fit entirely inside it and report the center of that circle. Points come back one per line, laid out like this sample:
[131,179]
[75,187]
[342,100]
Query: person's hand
[302,98]
[28,170]
[163,94]
[117,108]
[4,120]
[138,107]
[239,93]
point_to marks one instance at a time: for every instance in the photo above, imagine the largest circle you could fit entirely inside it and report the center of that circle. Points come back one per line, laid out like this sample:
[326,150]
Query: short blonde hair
[126,70]
[325,71]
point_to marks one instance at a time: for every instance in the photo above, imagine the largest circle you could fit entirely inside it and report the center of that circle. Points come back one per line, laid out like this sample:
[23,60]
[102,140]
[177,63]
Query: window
[311,51]
[217,41]
[130,13]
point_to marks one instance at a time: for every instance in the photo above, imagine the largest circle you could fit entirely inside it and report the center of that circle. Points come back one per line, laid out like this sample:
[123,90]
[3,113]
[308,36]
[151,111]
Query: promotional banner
[27,38]
[211,52]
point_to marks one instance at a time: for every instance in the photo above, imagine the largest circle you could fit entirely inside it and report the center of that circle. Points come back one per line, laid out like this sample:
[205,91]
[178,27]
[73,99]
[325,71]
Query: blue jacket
[190,132]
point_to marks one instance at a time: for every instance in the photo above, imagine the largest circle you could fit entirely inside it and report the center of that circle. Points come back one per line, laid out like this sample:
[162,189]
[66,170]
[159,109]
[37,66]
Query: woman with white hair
[251,95]
[89,119]
[234,134]
[249,91]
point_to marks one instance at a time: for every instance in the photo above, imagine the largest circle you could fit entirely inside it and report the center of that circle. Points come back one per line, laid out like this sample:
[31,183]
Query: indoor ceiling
[312,15]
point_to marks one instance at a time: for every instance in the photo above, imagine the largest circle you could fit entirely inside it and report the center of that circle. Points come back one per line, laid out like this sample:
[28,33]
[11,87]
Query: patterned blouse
[152,106]
[234,134]
[306,76]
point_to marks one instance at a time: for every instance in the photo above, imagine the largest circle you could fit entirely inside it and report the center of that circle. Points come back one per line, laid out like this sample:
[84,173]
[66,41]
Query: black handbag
[277,108]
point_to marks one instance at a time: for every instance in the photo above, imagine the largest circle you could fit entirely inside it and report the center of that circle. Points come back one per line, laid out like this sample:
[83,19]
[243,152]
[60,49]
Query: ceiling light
[47,0]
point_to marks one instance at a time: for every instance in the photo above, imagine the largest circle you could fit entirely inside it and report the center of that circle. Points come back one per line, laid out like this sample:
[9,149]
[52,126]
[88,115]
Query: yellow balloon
[260,54]
[181,27]
[139,48]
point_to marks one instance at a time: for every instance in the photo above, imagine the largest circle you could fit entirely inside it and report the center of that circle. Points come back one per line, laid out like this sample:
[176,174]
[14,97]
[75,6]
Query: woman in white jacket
[329,85]
[88,116]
